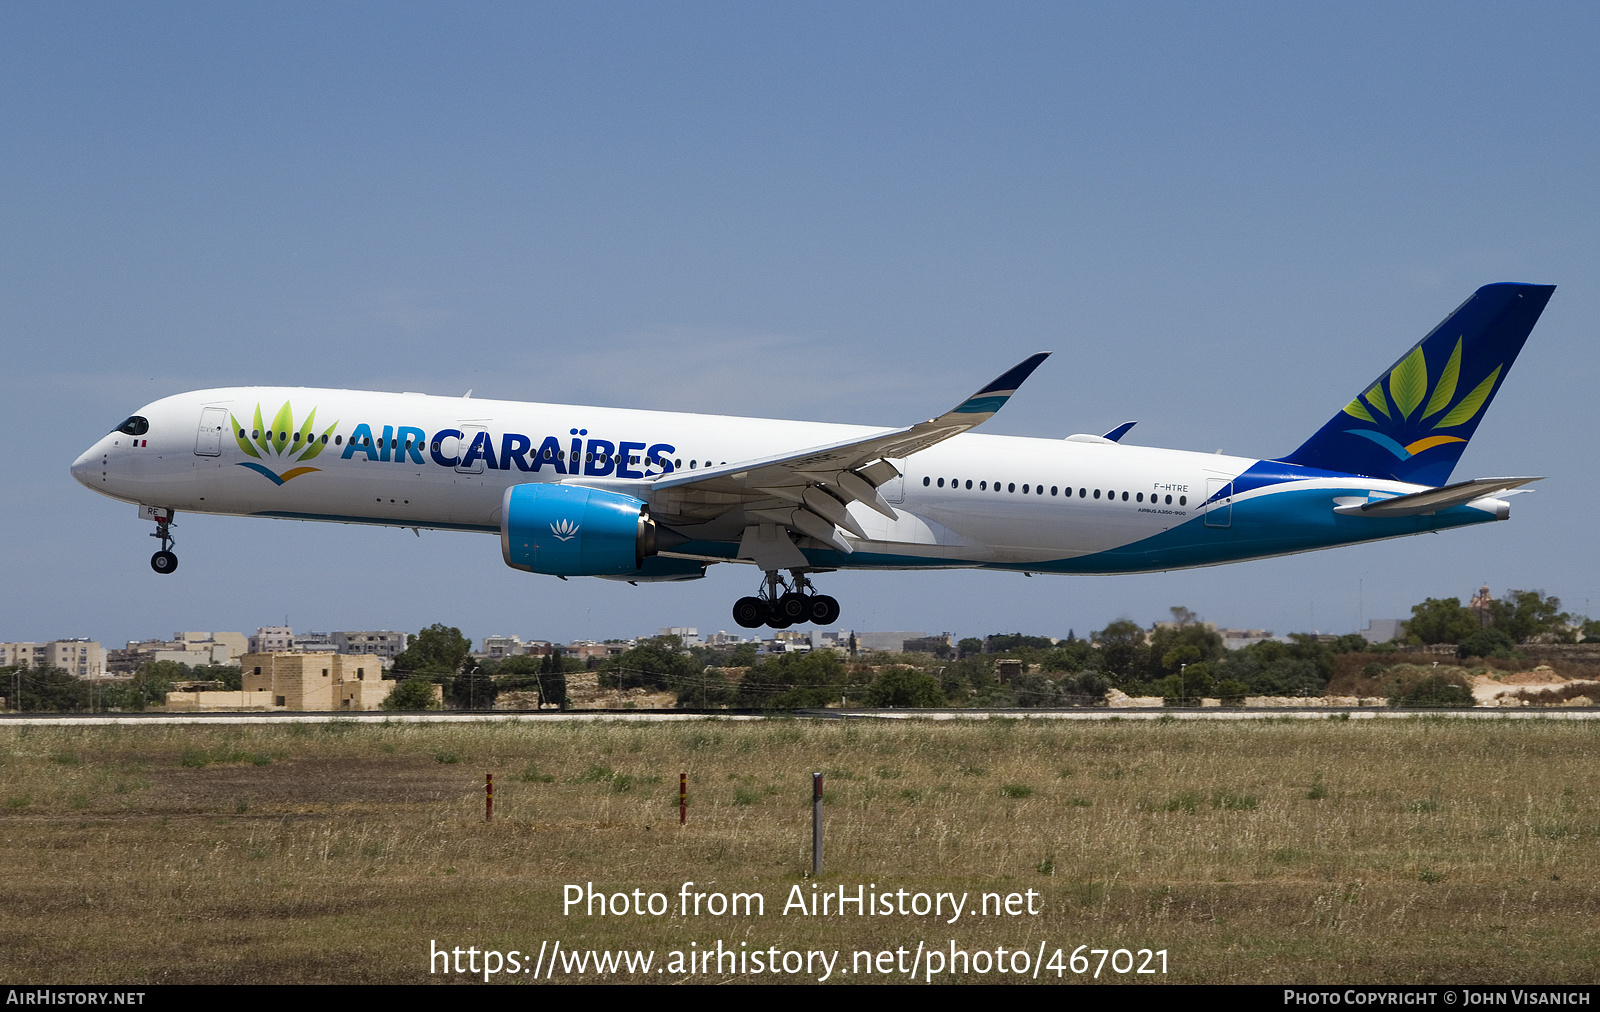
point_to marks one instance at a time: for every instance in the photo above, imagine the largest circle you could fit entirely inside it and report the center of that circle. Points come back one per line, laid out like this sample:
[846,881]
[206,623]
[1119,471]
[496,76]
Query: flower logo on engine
[564,530]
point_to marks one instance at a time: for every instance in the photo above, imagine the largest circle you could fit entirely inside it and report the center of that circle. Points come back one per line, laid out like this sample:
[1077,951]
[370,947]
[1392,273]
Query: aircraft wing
[807,490]
[1434,499]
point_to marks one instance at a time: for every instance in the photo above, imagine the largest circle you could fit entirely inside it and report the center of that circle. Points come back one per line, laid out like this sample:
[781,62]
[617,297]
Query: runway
[681,716]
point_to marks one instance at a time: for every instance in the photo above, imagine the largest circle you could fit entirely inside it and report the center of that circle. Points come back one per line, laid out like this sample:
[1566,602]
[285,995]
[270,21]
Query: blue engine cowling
[569,530]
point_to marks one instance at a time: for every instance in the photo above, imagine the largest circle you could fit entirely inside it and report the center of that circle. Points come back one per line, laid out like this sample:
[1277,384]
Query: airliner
[650,496]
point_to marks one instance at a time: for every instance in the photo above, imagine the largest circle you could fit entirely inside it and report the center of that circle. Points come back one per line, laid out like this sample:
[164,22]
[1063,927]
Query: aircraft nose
[80,468]
[84,467]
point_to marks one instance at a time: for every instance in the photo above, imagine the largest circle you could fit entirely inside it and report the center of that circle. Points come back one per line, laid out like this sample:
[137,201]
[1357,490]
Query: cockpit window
[136,425]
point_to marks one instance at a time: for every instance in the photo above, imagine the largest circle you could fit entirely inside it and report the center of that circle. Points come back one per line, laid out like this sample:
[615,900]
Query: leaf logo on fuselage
[1405,431]
[281,442]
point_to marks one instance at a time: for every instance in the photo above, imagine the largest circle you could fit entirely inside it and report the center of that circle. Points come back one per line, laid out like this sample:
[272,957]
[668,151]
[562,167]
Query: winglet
[994,396]
[1116,434]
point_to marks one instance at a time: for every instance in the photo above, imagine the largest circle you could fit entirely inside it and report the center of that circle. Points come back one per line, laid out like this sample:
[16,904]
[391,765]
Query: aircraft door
[894,490]
[469,435]
[1220,512]
[208,440]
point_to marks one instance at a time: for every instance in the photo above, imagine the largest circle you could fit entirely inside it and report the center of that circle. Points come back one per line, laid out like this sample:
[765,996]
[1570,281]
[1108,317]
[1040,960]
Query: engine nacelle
[570,530]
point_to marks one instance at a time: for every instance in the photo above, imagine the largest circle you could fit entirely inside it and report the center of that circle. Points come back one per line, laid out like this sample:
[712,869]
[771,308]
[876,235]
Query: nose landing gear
[164,561]
[779,608]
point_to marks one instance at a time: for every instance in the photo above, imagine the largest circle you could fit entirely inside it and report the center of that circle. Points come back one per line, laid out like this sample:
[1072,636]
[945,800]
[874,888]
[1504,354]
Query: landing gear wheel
[163,562]
[776,619]
[822,610]
[750,612]
[793,607]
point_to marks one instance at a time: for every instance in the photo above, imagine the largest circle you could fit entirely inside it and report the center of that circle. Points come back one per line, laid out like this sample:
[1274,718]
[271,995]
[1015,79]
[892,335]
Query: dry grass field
[1258,851]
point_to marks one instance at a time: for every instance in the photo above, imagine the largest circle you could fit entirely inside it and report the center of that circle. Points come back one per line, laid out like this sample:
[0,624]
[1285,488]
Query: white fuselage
[415,460]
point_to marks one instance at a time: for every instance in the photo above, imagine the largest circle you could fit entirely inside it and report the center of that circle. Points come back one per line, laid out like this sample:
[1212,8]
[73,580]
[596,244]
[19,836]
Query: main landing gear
[164,561]
[781,607]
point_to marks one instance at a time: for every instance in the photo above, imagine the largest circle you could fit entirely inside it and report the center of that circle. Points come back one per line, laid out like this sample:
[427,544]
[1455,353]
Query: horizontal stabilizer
[1434,499]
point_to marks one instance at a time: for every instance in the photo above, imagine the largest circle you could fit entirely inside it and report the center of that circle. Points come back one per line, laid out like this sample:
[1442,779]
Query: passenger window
[983,486]
[1011,487]
[1097,493]
[1183,500]
[1124,497]
[1053,489]
[1139,497]
[941,483]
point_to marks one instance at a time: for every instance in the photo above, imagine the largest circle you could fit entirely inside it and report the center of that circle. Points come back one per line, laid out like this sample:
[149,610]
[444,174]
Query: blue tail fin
[1412,422]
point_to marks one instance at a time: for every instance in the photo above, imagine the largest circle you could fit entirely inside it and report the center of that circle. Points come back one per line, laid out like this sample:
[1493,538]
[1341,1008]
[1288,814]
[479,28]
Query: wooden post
[816,824]
[488,797]
[683,798]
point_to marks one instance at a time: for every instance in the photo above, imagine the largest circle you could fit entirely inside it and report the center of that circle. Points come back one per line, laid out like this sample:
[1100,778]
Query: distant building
[888,642]
[688,634]
[723,638]
[497,647]
[1382,630]
[1480,604]
[1238,639]
[81,657]
[319,681]
[381,642]
[930,644]
[584,650]
[312,643]
[272,639]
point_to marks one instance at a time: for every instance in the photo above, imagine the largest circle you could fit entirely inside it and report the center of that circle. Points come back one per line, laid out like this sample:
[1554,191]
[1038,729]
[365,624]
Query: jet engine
[569,530]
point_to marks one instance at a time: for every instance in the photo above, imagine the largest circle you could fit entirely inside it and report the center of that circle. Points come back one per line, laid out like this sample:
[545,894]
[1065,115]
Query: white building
[380,642]
[81,657]
[272,639]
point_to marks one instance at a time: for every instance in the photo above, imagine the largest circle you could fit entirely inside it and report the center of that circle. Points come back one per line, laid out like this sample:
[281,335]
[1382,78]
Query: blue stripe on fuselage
[1279,523]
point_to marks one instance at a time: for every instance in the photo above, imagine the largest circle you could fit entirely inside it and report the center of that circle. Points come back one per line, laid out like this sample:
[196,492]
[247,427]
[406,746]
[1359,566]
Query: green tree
[148,687]
[1186,686]
[1122,649]
[658,663]
[415,693]
[230,675]
[472,689]
[1441,620]
[905,687]
[1524,614]
[1489,642]
[1434,690]
[971,646]
[545,675]
[50,690]
[794,680]
[1068,655]
[438,649]
[1005,643]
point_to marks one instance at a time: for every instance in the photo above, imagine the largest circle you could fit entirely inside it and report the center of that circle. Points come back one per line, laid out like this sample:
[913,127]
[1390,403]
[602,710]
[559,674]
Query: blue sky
[1223,219]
